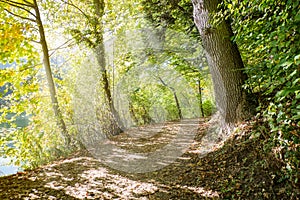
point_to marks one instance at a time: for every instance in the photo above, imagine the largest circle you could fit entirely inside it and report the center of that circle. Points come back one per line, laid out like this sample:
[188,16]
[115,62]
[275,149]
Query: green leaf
[297,59]
[295,82]
[286,64]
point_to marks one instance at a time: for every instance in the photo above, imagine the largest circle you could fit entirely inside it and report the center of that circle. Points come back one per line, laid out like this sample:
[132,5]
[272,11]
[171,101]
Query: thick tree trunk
[224,60]
[49,76]
[117,124]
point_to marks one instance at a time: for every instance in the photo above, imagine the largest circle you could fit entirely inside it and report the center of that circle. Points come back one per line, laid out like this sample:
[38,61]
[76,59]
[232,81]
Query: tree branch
[162,81]
[61,47]
[28,4]
[26,68]
[18,6]
[38,42]
[16,15]
[76,7]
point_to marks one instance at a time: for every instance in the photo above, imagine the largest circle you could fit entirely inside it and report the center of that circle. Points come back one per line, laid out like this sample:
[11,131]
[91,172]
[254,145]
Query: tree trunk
[175,98]
[177,103]
[117,124]
[224,60]
[49,76]
[200,97]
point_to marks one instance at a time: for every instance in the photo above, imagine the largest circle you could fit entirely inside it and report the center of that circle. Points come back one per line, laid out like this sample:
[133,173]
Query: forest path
[227,172]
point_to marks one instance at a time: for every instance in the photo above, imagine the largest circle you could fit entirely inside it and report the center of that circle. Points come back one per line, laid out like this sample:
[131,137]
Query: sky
[4,66]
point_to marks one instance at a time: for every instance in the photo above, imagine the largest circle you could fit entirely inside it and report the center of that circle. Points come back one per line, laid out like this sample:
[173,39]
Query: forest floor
[210,168]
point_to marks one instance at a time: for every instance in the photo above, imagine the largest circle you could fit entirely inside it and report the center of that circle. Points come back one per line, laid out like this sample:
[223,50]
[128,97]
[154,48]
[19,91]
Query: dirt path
[231,172]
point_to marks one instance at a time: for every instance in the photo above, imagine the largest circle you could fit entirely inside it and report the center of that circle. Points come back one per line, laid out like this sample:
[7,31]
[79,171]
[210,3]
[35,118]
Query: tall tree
[225,62]
[27,7]
[47,66]
[100,53]
[90,32]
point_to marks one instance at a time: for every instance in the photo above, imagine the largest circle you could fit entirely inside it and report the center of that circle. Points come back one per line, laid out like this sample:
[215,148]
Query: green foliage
[139,105]
[28,131]
[209,107]
[21,83]
[13,36]
[267,33]
[177,15]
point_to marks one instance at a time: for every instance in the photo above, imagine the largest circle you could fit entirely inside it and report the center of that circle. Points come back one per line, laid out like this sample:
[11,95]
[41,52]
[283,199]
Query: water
[6,168]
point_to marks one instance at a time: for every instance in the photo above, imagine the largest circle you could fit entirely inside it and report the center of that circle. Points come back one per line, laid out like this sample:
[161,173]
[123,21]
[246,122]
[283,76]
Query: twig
[38,42]
[76,7]
[26,68]
[61,46]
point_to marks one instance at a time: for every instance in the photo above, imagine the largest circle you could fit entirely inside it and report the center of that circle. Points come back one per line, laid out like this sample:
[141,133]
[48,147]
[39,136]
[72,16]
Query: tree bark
[224,60]
[177,103]
[200,97]
[51,85]
[117,124]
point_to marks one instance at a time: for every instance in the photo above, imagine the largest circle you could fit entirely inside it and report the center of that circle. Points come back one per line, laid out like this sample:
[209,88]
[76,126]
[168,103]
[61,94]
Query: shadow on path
[232,171]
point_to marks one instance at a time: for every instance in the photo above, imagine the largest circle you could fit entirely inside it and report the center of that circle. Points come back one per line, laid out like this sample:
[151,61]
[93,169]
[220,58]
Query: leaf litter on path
[228,170]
